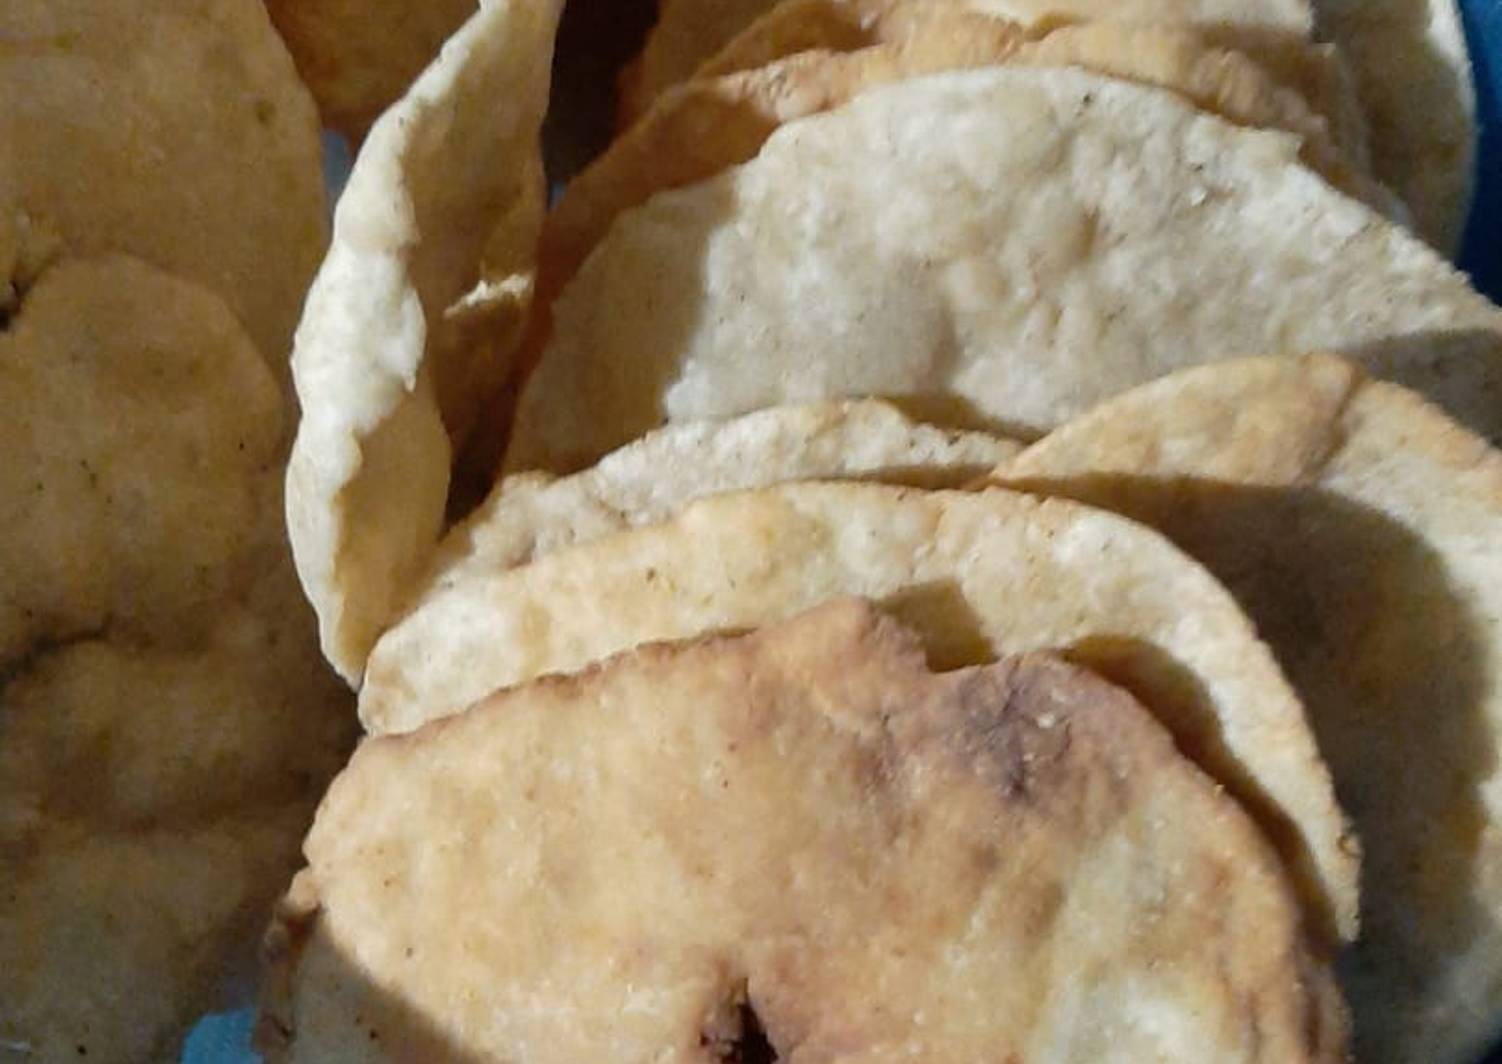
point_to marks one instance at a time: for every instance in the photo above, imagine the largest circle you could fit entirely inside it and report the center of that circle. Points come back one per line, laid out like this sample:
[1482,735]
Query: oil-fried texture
[1413,74]
[689,33]
[359,56]
[173,130]
[410,324]
[702,127]
[1257,79]
[166,722]
[1315,72]
[976,575]
[114,943]
[533,514]
[136,430]
[151,804]
[1007,246]
[1360,528]
[804,826]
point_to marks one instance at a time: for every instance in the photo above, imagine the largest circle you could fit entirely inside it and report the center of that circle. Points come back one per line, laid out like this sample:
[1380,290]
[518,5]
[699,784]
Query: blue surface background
[1482,255]
[224,1038]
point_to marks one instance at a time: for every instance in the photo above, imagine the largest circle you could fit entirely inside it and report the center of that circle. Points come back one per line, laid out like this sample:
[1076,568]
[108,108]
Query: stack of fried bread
[970,531]
[997,552]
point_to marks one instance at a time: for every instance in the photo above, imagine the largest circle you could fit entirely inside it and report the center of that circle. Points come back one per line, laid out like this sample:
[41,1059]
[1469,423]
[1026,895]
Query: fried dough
[977,575]
[166,721]
[708,124]
[412,318]
[690,32]
[804,831]
[1360,527]
[176,131]
[1005,247]
[533,514]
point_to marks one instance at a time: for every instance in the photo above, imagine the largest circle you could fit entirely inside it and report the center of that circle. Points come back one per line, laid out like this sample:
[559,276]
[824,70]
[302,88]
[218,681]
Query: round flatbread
[977,575]
[166,722]
[1360,528]
[173,130]
[708,124]
[1001,247]
[410,323]
[802,840]
[141,427]
[533,514]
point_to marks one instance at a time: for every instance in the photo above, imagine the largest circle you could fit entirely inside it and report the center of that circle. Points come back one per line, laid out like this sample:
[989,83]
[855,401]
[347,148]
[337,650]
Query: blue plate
[224,1038]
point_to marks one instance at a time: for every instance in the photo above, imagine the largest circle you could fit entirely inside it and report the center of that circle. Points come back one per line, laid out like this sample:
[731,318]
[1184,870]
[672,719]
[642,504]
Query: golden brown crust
[1358,525]
[689,33]
[155,128]
[165,719]
[957,566]
[806,820]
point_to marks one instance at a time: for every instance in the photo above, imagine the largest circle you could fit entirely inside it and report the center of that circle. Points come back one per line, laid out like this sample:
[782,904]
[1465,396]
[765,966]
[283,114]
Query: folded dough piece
[410,324]
[1413,73]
